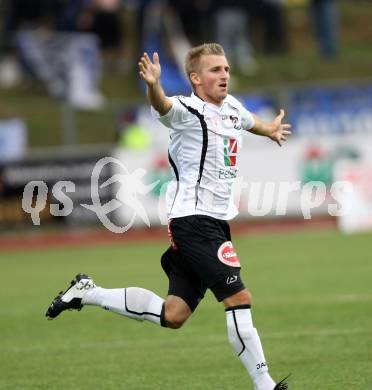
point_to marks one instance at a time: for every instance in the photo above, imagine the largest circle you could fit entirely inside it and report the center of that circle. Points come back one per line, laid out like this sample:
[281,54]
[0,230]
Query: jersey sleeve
[247,119]
[175,116]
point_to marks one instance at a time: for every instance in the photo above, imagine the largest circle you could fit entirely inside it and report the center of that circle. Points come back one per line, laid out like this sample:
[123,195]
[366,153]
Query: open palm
[280,130]
[150,71]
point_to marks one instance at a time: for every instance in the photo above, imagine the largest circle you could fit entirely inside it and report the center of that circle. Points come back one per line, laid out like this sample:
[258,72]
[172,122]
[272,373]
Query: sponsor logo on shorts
[231,279]
[227,254]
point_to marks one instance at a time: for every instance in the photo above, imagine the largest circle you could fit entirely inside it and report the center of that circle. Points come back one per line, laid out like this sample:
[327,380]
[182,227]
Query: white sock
[246,343]
[132,302]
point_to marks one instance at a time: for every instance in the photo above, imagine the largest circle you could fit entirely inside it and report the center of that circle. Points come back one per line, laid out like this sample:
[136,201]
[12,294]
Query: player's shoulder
[180,98]
[233,102]
[190,102]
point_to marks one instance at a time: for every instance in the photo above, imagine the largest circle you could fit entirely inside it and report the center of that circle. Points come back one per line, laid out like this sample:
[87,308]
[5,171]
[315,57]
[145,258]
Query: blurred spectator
[29,14]
[270,15]
[73,15]
[10,72]
[20,14]
[163,32]
[4,20]
[233,34]
[197,19]
[106,23]
[69,63]
[100,17]
[326,26]
[138,8]
[276,36]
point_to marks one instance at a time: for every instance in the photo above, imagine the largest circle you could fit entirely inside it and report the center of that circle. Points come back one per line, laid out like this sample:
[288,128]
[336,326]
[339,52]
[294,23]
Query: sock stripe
[134,312]
[237,332]
[238,307]
[162,317]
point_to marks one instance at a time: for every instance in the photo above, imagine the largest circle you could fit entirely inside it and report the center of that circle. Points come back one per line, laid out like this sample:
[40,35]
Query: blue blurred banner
[173,80]
[262,105]
[341,110]
[13,139]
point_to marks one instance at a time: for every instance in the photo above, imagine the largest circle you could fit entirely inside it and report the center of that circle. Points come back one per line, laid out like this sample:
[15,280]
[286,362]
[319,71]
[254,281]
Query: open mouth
[223,85]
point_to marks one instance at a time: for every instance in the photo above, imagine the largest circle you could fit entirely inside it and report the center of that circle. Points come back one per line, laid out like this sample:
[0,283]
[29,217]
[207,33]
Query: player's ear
[194,78]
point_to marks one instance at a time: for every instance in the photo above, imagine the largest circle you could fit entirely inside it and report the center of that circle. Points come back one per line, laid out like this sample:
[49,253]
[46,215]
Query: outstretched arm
[150,72]
[275,130]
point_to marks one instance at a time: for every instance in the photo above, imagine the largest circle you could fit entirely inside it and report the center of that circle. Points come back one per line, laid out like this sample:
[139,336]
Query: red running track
[74,238]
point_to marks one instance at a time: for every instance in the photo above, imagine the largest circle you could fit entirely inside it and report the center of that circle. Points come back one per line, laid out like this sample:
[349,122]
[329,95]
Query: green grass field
[312,306]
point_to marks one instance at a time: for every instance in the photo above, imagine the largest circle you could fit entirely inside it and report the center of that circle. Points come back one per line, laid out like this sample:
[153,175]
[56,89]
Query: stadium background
[70,95]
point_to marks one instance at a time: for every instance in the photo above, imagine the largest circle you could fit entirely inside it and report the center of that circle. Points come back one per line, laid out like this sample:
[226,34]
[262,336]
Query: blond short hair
[192,60]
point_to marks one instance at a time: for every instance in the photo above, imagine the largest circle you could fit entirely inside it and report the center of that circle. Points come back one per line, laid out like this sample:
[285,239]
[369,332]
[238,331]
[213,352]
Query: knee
[174,321]
[248,297]
[176,312]
[243,297]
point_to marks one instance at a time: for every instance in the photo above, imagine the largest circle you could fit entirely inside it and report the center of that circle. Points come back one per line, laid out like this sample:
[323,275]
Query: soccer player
[205,141]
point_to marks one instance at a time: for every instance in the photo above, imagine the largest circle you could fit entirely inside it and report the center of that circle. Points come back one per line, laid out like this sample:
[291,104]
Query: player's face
[212,79]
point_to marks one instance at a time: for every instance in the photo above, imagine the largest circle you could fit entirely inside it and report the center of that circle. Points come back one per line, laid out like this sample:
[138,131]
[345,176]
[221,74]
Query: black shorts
[201,256]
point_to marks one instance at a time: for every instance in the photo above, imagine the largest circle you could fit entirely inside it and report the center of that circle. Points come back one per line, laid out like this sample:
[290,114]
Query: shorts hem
[192,305]
[228,294]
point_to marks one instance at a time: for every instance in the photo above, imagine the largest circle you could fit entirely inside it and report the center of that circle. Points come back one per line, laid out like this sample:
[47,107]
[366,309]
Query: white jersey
[205,140]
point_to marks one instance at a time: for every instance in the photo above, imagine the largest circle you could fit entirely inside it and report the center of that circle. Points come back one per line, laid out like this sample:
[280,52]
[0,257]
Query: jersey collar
[203,102]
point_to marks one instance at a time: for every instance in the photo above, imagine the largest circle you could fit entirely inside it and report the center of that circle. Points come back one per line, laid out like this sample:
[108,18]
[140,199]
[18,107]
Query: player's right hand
[150,71]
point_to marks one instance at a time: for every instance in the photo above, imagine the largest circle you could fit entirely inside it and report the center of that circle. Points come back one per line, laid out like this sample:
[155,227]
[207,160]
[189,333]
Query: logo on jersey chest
[227,254]
[225,121]
[235,122]
[230,149]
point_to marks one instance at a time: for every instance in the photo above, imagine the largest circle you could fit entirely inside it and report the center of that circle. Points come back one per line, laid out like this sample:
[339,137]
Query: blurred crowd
[63,42]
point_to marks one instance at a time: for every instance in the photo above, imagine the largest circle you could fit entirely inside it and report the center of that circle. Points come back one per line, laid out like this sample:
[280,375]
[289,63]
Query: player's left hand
[279,130]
